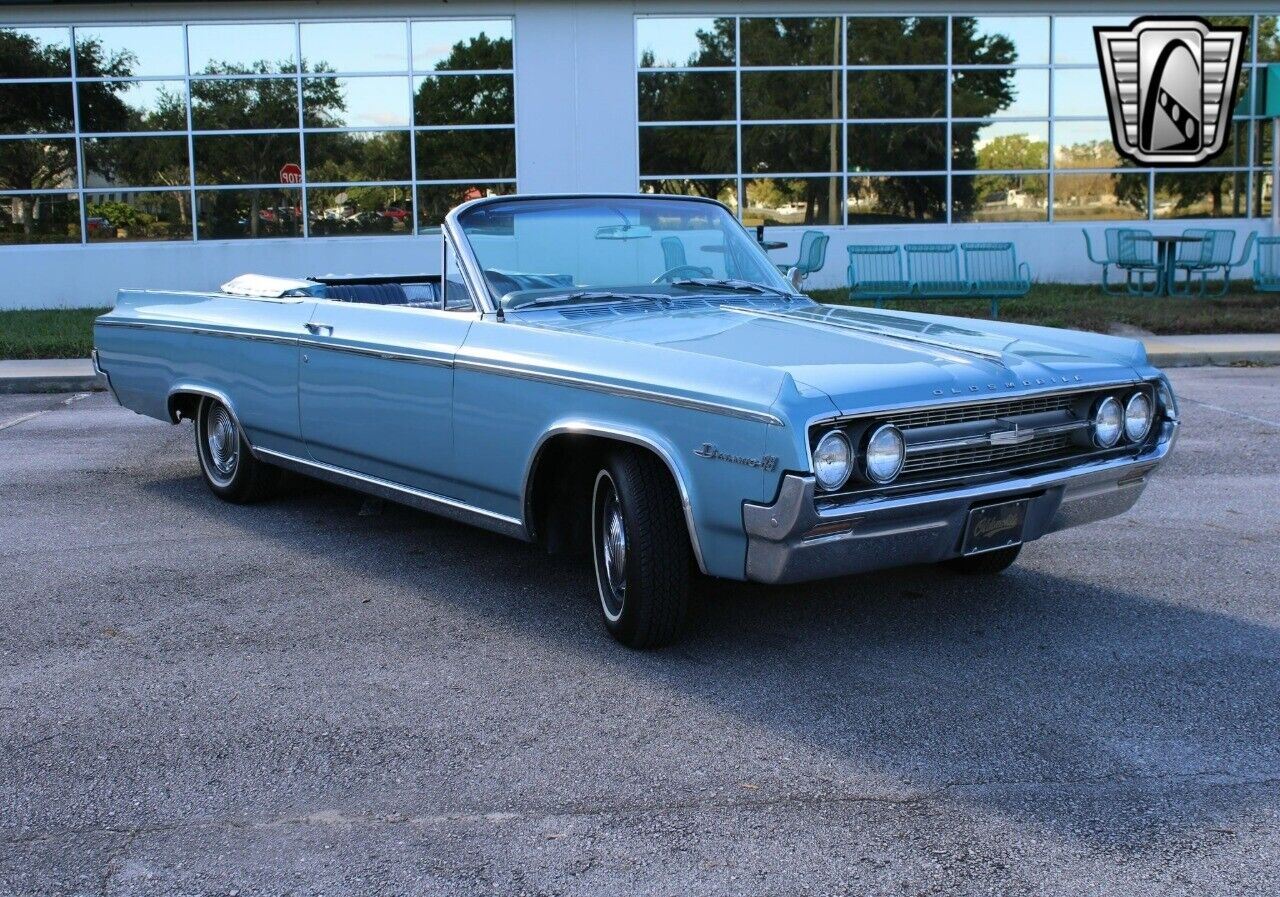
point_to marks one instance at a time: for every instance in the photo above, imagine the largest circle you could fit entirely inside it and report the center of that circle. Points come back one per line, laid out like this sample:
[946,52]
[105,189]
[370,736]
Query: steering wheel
[686,270]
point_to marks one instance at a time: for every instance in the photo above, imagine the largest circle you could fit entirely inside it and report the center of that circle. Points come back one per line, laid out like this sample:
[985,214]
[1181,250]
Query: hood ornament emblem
[1015,436]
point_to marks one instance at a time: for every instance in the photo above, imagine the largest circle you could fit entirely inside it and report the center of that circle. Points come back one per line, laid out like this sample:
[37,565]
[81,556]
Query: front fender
[711,491]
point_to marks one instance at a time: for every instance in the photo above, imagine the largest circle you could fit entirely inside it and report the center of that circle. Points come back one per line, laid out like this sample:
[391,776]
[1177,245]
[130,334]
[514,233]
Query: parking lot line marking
[1260,420]
[18,420]
[34,414]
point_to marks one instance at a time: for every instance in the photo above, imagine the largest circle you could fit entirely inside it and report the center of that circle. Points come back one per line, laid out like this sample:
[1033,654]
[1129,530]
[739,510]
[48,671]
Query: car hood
[860,357]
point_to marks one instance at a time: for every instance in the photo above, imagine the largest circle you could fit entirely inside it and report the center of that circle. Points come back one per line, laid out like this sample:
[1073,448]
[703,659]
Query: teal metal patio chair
[813,254]
[934,271]
[1132,252]
[1212,255]
[875,272]
[994,272]
[673,256]
[1266,265]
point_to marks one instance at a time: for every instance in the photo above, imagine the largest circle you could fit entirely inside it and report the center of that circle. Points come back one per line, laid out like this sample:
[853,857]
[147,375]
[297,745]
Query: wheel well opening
[183,406]
[558,503]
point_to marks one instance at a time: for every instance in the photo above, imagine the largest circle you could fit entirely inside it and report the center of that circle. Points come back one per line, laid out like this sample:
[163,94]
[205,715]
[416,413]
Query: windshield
[614,249]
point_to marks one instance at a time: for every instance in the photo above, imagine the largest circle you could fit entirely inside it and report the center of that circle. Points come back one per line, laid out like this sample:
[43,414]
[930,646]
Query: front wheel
[230,470]
[640,549]
[988,563]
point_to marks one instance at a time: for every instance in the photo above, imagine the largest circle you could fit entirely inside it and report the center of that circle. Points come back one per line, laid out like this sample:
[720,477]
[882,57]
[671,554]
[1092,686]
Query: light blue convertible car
[631,376]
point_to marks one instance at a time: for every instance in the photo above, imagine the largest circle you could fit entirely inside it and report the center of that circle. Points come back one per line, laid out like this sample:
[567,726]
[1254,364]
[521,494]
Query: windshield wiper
[741,286]
[598,296]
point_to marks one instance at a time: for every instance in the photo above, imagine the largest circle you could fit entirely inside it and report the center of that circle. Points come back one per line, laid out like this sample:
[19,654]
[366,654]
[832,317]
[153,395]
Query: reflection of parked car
[369,220]
[395,212]
[561,382]
[98,227]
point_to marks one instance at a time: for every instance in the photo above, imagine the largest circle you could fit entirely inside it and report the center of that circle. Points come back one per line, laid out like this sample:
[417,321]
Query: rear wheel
[988,563]
[230,469]
[640,550]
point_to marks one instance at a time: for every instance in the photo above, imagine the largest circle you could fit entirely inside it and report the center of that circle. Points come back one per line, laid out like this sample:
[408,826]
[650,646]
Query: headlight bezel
[1096,416]
[866,470]
[841,436]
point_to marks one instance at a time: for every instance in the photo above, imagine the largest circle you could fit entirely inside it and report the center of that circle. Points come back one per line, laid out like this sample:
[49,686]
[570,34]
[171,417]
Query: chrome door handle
[316,328]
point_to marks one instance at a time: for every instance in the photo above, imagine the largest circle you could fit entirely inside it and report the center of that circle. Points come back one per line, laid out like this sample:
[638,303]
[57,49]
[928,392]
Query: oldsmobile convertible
[632,378]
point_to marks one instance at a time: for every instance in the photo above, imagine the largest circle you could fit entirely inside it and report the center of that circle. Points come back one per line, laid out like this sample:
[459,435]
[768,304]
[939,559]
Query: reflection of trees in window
[1011,152]
[986,92]
[464,100]
[42,164]
[244,103]
[1189,194]
[900,41]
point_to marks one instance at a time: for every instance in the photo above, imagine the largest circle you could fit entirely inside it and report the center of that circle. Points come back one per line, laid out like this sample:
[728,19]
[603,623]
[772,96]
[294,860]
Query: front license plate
[995,526]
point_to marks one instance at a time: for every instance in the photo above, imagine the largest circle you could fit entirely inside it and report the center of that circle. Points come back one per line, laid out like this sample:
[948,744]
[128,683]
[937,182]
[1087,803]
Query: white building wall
[575,94]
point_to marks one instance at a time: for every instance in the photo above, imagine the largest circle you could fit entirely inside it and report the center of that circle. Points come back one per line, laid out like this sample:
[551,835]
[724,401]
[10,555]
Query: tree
[1012,152]
[976,93]
[244,103]
[674,96]
[46,108]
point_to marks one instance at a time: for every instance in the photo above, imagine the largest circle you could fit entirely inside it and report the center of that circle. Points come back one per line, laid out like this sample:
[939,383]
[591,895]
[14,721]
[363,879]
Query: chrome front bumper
[797,538]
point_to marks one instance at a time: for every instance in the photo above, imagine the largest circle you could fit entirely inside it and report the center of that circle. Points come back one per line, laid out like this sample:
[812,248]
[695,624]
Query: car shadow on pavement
[1032,694]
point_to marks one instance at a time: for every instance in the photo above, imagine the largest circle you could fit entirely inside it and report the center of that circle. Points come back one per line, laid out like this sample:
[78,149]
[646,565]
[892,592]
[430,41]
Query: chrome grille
[932,417]
[962,440]
[963,458]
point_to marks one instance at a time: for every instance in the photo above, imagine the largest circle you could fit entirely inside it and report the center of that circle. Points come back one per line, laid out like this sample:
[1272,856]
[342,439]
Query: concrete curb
[1213,350]
[1213,359]
[50,375]
[11,385]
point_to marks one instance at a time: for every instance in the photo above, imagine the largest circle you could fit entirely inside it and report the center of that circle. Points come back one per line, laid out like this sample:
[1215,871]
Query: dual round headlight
[1108,422]
[832,460]
[882,458]
[1133,420]
[1138,416]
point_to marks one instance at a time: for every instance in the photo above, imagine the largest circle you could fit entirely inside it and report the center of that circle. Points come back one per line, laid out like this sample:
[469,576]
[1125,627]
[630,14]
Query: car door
[375,389]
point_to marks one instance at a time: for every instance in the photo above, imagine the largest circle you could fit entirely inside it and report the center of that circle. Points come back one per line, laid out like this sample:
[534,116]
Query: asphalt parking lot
[298,698]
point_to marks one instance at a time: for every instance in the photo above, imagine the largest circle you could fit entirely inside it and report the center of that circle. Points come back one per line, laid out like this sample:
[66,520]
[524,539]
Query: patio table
[1166,255]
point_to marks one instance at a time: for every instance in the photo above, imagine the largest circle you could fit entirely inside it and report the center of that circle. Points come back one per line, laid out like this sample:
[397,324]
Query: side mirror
[796,276]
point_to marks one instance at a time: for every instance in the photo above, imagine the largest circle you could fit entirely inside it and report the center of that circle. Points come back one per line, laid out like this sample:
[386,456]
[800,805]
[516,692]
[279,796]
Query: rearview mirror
[796,276]
[623,232]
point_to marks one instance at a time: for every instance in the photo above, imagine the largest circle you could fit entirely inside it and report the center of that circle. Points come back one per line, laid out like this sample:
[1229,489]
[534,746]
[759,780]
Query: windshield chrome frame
[491,303]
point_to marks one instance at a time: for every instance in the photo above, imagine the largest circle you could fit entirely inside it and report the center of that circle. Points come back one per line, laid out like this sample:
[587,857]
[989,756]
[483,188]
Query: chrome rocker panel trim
[405,495]
[795,540]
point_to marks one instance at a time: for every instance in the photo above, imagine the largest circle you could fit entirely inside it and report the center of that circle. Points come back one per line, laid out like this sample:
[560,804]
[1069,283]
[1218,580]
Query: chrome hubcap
[611,549]
[223,442]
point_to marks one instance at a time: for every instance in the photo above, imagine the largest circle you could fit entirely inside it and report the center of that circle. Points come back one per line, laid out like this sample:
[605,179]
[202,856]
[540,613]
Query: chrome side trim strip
[631,392]
[586,428]
[200,330]
[389,355]
[398,492]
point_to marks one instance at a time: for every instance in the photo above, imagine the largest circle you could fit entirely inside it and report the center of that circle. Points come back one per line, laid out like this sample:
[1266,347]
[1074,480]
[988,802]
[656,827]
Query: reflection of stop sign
[291,173]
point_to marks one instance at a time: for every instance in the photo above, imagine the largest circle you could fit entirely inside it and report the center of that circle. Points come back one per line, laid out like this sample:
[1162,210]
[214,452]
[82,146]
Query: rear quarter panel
[245,349]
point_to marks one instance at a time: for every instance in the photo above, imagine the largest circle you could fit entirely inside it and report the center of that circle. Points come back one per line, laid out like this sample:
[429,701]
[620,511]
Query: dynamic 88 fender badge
[1171,85]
